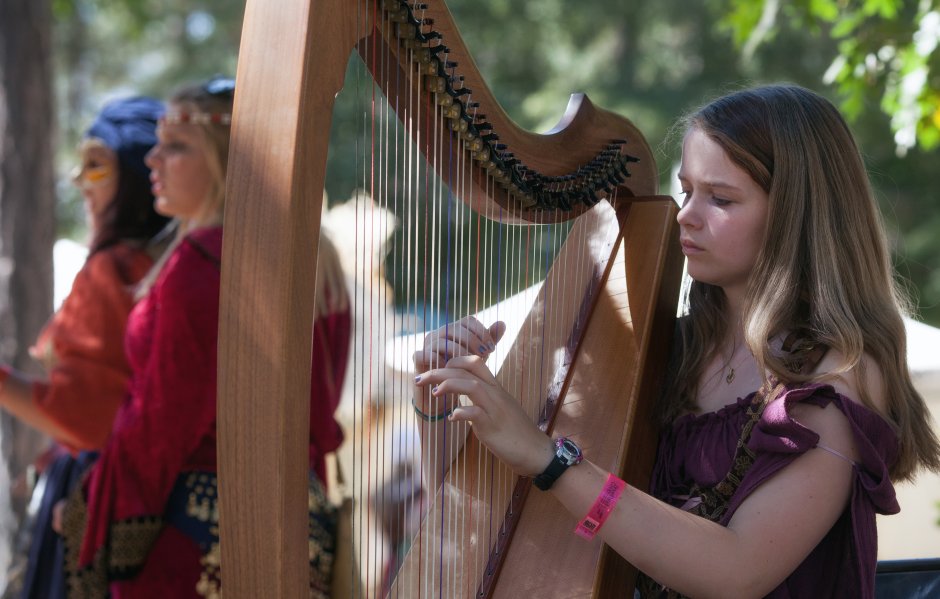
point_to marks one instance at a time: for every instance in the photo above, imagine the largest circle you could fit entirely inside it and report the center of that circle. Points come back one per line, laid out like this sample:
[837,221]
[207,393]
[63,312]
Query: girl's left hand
[498,419]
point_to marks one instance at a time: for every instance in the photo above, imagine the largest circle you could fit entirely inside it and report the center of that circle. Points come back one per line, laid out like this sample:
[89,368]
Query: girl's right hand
[466,337]
[497,418]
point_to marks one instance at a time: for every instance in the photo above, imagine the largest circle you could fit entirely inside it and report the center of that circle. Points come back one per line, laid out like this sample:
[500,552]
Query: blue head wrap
[128,126]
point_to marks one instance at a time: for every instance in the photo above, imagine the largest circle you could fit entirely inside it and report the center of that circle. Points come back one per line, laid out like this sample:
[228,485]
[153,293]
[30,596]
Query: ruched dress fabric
[146,524]
[699,449]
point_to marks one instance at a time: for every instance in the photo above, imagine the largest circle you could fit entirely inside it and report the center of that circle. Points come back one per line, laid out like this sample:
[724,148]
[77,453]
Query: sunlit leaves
[886,47]
[651,60]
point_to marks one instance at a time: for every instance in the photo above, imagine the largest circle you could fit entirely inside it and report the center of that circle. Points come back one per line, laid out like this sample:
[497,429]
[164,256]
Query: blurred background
[648,60]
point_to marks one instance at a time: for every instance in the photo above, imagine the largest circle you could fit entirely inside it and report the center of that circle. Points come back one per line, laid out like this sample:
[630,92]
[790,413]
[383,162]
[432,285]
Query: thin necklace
[728,368]
[729,378]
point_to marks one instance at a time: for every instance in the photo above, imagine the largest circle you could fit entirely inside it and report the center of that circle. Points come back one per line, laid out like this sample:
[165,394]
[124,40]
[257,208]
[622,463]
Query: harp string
[357,442]
[398,416]
[387,179]
[479,263]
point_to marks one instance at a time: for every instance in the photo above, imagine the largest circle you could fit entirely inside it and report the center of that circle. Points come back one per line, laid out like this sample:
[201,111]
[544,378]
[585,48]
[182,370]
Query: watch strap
[567,454]
[547,478]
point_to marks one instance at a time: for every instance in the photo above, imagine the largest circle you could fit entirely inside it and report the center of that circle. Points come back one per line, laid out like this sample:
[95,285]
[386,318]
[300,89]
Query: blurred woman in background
[145,523]
[82,346]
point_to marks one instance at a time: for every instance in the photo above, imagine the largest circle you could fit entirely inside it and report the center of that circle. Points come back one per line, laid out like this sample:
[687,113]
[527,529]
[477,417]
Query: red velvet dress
[150,522]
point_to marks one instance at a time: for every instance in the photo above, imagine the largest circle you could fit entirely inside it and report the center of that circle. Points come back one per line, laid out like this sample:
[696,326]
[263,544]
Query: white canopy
[923,347]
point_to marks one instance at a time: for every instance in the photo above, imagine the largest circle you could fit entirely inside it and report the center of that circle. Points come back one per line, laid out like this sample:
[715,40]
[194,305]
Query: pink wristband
[603,505]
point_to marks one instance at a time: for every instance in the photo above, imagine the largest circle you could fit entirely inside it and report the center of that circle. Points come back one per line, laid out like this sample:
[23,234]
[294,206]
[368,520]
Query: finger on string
[470,334]
[421,360]
[467,385]
[426,360]
[475,366]
[488,336]
[468,368]
[481,334]
[471,414]
[435,355]
[436,376]
[496,332]
[446,347]
[442,403]
[454,341]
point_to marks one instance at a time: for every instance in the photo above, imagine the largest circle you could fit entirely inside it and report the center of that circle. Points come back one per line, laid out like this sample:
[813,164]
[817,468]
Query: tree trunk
[27,229]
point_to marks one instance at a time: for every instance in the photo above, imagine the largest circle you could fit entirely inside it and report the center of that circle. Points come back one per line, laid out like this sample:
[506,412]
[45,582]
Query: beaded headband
[197,118]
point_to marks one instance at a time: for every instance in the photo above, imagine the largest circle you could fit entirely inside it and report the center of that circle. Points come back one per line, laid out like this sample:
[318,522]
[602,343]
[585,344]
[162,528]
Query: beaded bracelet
[430,417]
[603,505]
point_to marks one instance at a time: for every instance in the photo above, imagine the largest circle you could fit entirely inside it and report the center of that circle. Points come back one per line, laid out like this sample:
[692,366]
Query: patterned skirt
[191,520]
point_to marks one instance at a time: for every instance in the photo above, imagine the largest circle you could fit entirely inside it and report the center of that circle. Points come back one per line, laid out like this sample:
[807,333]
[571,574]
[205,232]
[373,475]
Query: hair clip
[220,86]
[197,118]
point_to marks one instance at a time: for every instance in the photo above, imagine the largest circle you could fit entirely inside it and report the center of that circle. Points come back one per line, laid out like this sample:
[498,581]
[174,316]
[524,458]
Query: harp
[591,369]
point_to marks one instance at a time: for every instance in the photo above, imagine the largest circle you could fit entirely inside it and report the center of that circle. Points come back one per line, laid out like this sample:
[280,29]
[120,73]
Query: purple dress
[698,449]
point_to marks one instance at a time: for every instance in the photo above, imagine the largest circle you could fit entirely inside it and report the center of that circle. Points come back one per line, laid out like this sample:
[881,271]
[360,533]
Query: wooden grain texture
[280,130]
[653,278]
[464,521]
[609,390]
[612,385]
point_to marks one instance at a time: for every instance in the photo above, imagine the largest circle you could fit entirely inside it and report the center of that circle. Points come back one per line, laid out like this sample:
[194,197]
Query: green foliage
[649,60]
[742,19]
[106,48]
[886,47]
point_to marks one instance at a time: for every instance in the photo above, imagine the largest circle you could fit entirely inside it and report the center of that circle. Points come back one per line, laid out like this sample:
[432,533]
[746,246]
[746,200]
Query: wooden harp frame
[292,63]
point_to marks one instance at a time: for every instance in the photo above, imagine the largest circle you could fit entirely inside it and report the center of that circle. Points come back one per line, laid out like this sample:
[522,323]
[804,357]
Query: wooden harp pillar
[291,66]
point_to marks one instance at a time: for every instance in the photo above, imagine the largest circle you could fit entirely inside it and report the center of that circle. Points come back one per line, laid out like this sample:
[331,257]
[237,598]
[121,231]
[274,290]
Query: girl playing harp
[789,410]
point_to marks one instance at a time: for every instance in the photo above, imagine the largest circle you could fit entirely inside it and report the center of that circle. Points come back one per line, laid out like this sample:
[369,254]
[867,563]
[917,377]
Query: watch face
[568,451]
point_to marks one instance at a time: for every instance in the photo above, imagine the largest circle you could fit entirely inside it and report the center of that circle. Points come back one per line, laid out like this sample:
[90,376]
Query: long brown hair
[824,266]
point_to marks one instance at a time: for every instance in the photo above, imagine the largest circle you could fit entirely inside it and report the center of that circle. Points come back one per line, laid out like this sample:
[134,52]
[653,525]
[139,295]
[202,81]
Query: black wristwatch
[566,454]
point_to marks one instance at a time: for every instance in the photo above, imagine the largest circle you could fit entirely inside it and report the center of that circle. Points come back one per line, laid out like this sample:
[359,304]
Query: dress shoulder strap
[801,356]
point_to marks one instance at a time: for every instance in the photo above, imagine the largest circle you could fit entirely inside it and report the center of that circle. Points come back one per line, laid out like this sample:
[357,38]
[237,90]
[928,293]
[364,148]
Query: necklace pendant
[730,378]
